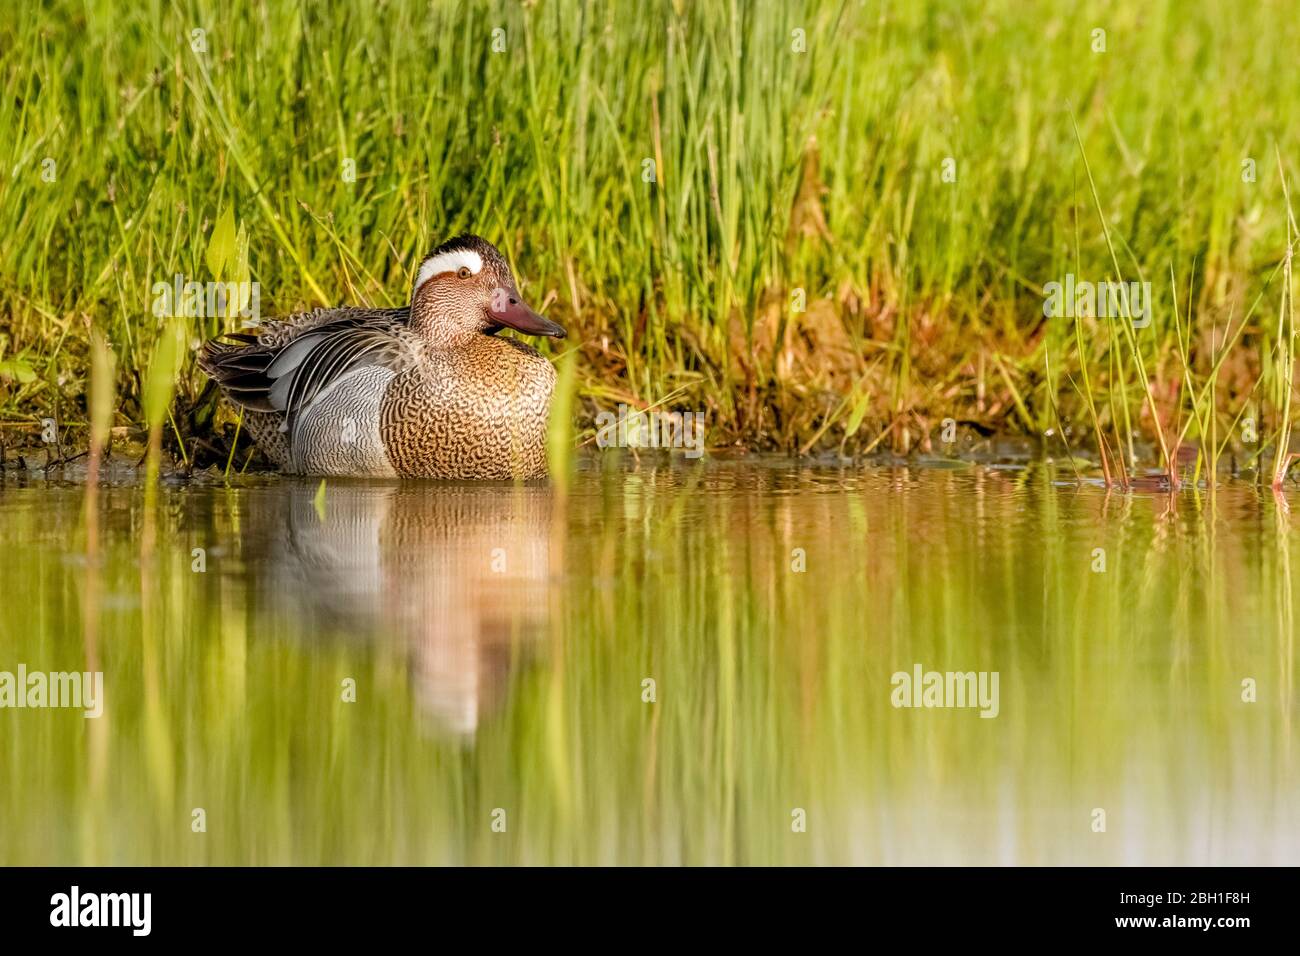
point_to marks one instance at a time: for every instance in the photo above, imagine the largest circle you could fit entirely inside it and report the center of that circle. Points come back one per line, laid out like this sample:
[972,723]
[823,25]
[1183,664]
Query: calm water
[673,665]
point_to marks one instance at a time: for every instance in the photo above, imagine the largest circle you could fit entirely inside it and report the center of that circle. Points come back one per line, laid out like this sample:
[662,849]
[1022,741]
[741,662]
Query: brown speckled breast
[477,413]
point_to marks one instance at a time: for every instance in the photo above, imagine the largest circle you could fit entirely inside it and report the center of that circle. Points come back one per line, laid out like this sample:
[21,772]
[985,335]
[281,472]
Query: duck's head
[465,287]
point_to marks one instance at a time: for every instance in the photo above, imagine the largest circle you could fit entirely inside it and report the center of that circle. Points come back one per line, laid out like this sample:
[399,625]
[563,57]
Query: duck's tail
[238,363]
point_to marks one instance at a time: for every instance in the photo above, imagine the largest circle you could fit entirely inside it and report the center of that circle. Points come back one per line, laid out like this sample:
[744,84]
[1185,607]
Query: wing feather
[286,367]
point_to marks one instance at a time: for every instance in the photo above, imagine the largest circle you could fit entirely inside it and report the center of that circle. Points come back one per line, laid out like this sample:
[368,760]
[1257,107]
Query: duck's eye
[464,272]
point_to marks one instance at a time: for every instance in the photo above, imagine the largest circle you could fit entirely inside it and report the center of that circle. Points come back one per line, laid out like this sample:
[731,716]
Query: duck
[429,390]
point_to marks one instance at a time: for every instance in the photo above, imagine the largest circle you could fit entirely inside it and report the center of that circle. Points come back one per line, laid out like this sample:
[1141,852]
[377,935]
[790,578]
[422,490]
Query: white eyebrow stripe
[448,262]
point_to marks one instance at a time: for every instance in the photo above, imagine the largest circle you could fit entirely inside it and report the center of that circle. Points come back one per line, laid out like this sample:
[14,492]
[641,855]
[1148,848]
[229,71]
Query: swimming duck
[426,391]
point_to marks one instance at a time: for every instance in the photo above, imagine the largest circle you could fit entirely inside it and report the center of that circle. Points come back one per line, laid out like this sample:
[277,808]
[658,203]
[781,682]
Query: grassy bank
[806,265]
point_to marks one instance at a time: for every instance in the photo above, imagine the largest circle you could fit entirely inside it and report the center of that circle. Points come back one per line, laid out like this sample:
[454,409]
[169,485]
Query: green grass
[776,171]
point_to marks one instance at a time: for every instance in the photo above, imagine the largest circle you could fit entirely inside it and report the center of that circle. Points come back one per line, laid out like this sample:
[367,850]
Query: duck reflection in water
[455,574]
